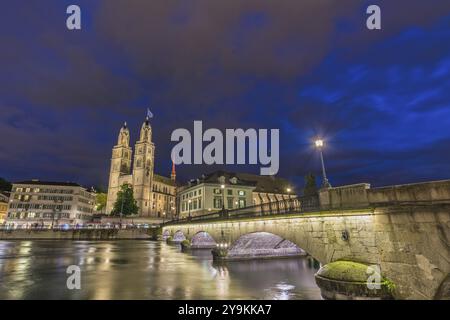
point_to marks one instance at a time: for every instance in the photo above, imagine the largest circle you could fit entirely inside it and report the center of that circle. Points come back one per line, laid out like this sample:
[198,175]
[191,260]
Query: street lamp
[319,145]
[189,206]
[222,186]
[121,212]
[56,201]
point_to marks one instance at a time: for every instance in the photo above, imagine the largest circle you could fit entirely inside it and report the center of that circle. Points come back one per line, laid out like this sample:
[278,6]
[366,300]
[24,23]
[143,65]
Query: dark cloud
[307,67]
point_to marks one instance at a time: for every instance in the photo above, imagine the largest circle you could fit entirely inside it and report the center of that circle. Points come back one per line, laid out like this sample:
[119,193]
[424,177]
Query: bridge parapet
[362,195]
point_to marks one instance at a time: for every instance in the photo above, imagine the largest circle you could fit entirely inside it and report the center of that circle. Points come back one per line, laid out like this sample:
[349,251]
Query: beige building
[43,203]
[155,194]
[220,189]
[3,207]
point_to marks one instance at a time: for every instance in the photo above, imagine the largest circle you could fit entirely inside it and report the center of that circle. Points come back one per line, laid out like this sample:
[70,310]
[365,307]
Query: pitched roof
[267,184]
[165,180]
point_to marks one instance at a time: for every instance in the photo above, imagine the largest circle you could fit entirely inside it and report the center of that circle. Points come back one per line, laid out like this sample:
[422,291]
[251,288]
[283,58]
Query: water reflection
[145,270]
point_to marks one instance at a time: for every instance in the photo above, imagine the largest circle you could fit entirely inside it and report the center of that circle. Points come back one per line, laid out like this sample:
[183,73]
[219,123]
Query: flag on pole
[149,114]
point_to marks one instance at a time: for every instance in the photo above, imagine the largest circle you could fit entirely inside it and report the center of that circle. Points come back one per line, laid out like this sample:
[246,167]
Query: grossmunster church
[155,194]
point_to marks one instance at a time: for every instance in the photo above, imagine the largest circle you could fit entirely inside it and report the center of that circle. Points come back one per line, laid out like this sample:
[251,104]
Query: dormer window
[233,180]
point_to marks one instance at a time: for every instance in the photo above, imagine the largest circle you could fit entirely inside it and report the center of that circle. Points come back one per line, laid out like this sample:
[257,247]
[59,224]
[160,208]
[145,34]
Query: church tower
[120,165]
[143,167]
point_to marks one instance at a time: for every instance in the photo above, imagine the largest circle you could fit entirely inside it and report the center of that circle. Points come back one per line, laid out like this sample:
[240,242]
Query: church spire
[173,175]
[124,136]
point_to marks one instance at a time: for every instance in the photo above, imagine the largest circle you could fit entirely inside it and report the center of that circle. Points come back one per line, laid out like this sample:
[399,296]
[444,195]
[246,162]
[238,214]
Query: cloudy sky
[381,99]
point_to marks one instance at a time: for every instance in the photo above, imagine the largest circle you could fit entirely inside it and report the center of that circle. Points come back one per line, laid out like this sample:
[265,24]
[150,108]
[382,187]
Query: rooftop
[269,184]
[48,183]
[165,180]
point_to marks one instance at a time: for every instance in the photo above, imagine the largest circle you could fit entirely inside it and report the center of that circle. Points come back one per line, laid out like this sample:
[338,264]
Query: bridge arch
[261,244]
[178,236]
[165,234]
[203,240]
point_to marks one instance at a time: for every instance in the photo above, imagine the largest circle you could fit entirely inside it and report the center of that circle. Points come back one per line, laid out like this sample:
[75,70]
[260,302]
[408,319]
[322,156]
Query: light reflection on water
[145,270]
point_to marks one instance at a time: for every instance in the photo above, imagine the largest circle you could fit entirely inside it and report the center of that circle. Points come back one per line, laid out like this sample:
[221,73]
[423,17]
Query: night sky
[380,99]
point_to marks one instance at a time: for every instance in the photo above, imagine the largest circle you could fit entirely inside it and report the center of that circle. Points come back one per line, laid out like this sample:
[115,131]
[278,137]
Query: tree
[125,203]
[100,201]
[5,185]
[310,185]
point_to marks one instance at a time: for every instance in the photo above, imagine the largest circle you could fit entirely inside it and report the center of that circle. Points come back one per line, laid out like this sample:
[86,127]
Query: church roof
[165,180]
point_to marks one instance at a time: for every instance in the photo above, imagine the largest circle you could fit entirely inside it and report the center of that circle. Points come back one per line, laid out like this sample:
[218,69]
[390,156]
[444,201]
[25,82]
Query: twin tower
[139,174]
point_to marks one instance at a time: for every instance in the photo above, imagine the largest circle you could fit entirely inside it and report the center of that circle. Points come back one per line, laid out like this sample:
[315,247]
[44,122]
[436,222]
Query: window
[242,203]
[199,192]
[200,203]
[230,192]
[217,191]
[217,202]
[241,192]
[230,203]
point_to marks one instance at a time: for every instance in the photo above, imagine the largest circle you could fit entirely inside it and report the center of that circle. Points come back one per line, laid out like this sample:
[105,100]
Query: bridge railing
[285,206]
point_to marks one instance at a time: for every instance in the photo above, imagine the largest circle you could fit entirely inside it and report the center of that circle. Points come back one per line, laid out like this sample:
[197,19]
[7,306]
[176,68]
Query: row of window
[192,194]
[86,201]
[231,203]
[40,206]
[230,192]
[27,197]
[84,209]
[240,193]
[43,190]
[44,215]
[157,188]
[195,204]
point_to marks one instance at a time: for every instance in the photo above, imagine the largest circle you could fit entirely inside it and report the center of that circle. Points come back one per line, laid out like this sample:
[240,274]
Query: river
[145,270]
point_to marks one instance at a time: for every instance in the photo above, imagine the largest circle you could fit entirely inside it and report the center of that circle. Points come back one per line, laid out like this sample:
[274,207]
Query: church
[155,194]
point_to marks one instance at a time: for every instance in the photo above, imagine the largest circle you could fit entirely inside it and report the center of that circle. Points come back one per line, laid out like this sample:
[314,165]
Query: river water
[145,270]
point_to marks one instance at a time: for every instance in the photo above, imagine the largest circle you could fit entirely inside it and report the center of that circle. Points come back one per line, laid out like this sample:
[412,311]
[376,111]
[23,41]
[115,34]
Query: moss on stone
[186,243]
[345,271]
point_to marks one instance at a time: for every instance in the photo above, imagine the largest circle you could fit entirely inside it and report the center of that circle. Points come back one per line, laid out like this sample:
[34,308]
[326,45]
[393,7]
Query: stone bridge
[405,230]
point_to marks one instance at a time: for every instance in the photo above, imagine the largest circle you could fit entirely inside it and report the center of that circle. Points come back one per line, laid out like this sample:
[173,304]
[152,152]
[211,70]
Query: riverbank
[83,234]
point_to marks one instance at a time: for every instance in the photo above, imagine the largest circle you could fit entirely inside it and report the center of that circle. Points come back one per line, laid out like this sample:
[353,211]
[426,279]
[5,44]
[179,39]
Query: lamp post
[189,207]
[56,201]
[222,186]
[121,212]
[288,190]
[319,145]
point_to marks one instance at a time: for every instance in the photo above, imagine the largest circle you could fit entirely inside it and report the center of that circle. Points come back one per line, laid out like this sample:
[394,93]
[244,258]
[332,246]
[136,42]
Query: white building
[220,189]
[43,203]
